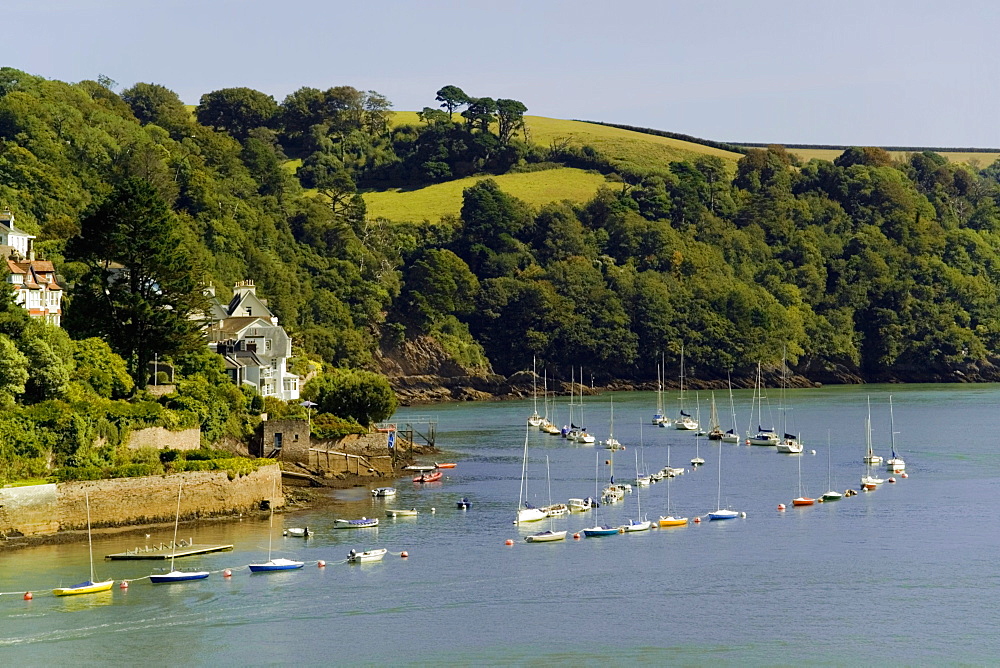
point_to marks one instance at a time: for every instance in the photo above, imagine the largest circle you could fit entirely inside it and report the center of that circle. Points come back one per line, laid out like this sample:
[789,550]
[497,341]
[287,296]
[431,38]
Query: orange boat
[429,477]
[446,465]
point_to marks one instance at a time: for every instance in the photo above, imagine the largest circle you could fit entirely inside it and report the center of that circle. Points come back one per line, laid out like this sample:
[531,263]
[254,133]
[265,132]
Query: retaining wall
[164,439]
[42,509]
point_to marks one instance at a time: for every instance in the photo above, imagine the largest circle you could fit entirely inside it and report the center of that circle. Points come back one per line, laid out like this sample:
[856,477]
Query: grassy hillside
[970,158]
[434,201]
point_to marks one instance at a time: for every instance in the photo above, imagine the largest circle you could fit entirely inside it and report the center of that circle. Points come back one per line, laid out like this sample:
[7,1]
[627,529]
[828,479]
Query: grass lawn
[432,202]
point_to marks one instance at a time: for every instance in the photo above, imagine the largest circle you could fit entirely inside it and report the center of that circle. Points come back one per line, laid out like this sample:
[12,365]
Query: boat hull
[803,501]
[831,496]
[601,531]
[276,565]
[83,588]
[546,537]
[401,512]
[178,576]
[367,556]
[363,523]
[638,526]
[723,515]
[673,521]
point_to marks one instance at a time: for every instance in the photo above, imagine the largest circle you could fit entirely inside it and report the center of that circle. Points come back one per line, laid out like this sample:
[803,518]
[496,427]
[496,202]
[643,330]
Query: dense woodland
[870,267]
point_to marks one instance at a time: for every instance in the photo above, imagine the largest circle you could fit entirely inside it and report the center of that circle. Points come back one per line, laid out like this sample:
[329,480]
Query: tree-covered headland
[867,267]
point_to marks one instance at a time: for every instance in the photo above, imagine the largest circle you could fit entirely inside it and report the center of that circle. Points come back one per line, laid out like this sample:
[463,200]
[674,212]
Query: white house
[33,281]
[254,346]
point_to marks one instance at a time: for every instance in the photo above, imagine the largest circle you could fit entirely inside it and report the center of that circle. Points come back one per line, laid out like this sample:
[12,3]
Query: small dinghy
[298,532]
[401,512]
[363,523]
[356,557]
[464,504]
[384,491]
[429,477]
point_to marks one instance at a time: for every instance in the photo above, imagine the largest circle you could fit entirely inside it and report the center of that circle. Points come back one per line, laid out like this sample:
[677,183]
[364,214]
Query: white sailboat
[697,460]
[535,420]
[789,443]
[868,481]
[658,417]
[548,535]
[599,529]
[731,436]
[279,564]
[175,575]
[684,421]
[715,432]
[612,443]
[640,524]
[830,495]
[894,464]
[870,456]
[546,425]
[764,436]
[88,587]
[525,511]
[721,513]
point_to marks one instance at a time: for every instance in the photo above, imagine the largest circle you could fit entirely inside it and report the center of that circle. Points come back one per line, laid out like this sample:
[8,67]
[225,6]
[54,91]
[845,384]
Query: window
[249,311]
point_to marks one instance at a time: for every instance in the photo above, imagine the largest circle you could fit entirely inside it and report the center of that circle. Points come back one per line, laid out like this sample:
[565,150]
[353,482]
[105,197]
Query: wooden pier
[164,551]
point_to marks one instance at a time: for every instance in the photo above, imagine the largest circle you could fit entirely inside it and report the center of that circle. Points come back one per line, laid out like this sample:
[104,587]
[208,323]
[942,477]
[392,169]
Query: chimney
[244,287]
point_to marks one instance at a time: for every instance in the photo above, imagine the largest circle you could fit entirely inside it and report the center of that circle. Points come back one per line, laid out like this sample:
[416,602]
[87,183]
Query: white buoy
[813,451]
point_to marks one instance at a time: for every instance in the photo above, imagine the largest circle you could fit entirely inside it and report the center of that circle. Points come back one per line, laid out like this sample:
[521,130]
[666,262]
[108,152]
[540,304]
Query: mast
[892,430]
[177,517]
[90,541]
[524,468]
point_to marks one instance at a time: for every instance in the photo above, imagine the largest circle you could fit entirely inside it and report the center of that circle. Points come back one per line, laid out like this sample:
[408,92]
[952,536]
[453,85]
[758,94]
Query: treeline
[722,146]
[867,263]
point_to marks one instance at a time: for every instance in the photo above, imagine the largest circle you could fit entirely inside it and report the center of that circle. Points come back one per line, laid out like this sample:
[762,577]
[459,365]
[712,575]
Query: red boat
[446,465]
[429,477]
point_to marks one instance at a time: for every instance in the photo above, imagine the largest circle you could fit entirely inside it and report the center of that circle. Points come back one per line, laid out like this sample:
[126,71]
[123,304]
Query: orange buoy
[28,596]
[508,542]
[623,448]
[123,585]
[781,506]
[904,475]
[227,573]
[892,480]
[576,536]
[697,520]
[321,564]
[607,462]
[404,554]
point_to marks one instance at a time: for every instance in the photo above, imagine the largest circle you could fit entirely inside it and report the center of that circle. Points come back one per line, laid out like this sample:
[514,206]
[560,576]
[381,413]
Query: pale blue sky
[839,72]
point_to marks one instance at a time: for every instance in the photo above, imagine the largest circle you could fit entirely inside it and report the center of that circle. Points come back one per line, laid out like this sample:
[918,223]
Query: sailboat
[658,417]
[547,425]
[831,495]
[764,436]
[684,421]
[643,479]
[802,499]
[548,535]
[870,456]
[894,464]
[715,432]
[535,420]
[175,575]
[789,444]
[640,524]
[697,461]
[669,520]
[613,493]
[868,481]
[721,513]
[88,587]
[612,443]
[583,437]
[278,564]
[525,511]
[600,529]
[731,436]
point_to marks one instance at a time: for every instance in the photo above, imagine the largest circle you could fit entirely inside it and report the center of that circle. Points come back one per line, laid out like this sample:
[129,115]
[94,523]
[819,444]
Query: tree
[13,371]
[510,118]
[101,369]
[451,98]
[358,395]
[236,110]
[141,291]
[153,103]
[480,113]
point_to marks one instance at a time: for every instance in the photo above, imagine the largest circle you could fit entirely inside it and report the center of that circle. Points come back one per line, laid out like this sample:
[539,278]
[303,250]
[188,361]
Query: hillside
[636,149]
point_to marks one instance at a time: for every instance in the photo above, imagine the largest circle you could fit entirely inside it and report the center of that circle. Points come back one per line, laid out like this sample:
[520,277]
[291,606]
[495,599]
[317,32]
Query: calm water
[903,575]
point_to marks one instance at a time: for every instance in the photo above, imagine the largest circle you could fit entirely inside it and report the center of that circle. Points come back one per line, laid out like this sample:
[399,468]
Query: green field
[432,202]
[975,159]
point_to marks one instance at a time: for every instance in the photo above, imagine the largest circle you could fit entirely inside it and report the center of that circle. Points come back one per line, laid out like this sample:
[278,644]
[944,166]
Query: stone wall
[288,440]
[41,509]
[354,454]
[164,439]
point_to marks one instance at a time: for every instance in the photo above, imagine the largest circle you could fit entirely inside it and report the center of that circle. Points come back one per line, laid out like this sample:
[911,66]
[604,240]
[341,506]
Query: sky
[846,72]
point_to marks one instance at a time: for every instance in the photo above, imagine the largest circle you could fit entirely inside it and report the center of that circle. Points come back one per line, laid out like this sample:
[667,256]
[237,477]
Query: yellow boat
[84,588]
[88,587]
[672,521]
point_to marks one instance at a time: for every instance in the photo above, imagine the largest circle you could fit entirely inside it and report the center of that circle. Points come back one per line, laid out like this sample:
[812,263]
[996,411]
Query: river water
[906,574]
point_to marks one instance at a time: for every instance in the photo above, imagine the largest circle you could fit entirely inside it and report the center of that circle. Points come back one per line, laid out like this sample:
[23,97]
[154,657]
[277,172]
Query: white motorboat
[401,512]
[362,523]
[384,491]
[355,557]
